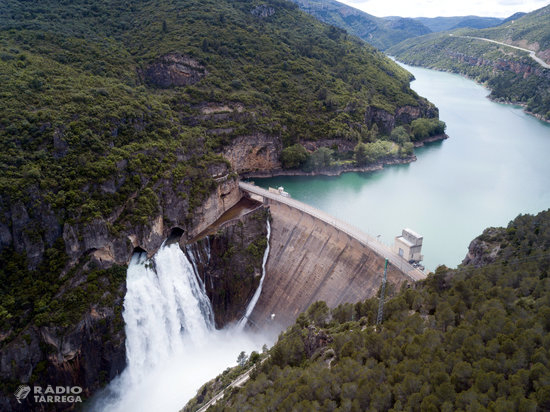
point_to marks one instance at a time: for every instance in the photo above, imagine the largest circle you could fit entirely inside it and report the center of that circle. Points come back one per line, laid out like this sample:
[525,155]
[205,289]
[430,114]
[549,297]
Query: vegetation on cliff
[511,74]
[113,113]
[230,264]
[472,338]
[369,150]
[90,120]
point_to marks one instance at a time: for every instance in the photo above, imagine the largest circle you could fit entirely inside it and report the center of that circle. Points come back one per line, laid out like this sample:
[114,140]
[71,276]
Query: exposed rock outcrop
[88,350]
[316,340]
[29,228]
[253,153]
[484,249]
[174,69]
[386,121]
[263,11]
[88,355]
[230,264]
[109,248]
[524,68]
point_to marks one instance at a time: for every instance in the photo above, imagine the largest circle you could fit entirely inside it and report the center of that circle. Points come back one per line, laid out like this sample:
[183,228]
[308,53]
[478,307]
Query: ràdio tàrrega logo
[22,392]
[64,394]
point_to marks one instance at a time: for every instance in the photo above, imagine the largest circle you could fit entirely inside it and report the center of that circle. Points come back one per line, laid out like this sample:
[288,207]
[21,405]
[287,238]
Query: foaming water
[242,323]
[172,346]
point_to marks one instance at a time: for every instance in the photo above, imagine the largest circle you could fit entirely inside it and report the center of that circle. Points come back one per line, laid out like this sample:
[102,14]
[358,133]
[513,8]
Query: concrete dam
[314,256]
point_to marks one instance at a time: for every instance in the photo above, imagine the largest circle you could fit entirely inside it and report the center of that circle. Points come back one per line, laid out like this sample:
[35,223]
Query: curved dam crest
[313,256]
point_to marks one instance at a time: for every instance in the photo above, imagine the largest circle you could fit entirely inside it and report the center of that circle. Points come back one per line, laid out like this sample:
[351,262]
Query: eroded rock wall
[85,346]
[230,264]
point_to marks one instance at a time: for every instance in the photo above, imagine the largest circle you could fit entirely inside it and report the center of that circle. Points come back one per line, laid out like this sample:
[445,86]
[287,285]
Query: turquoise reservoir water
[494,166]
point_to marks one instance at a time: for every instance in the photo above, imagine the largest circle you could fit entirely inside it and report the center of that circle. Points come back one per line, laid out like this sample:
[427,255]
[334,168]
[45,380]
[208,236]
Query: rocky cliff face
[484,249]
[29,227]
[386,121]
[524,69]
[107,248]
[230,264]
[253,153]
[87,355]
[79,340]
[174,70]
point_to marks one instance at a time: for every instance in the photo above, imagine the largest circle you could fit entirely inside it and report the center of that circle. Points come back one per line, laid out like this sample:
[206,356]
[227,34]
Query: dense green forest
[473,338]
[77,103]
[511,74]
[92,125]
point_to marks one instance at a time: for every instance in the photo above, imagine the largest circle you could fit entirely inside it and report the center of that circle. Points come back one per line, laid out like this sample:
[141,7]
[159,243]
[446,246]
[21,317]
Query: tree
[294,156]
[319,159]
[360,154]
[366,153]
[423,128]
[318,313]
[400,135]
[242,358]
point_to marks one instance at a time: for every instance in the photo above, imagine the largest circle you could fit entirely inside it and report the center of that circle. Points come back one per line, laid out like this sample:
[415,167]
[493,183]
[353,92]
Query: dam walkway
[397,261]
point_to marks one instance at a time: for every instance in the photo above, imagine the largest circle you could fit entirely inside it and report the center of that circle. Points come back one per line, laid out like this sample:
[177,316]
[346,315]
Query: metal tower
[382,294]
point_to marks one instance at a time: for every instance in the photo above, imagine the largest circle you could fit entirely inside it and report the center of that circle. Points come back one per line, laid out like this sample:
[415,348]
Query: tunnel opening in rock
[139,250]
[175,235]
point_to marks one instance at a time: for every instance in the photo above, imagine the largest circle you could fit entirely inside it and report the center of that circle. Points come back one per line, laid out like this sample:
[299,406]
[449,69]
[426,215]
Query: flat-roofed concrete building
[409,245]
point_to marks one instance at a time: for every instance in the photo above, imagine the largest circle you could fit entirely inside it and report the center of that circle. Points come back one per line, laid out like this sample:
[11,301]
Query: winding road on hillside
[531,52]
[237,382]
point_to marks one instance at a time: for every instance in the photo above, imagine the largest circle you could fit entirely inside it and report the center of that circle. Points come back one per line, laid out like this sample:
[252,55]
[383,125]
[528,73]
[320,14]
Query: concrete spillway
[312,260]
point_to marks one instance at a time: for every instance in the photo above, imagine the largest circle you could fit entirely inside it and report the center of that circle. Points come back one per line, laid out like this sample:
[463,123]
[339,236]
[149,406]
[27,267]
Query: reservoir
[493,167]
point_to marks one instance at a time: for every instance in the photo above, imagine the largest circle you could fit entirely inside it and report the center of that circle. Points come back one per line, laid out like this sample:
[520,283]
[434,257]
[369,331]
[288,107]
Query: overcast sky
[434,8]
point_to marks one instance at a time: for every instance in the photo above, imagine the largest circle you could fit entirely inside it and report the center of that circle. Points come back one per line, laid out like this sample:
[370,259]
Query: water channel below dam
[493,167]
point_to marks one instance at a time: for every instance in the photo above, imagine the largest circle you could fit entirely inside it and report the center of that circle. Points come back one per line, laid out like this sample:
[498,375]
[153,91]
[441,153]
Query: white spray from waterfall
[242,323]
[172,346]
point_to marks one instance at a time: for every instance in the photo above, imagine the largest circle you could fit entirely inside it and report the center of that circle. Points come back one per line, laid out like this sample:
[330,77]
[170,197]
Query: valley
[134,258]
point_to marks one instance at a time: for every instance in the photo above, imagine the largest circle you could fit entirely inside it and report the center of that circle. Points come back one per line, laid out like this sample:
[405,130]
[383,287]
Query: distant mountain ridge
[511,74]
[380,32]
[437,24]
[384,32]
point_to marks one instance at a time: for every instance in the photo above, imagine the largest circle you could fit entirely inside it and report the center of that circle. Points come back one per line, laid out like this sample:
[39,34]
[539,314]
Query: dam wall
[313,257]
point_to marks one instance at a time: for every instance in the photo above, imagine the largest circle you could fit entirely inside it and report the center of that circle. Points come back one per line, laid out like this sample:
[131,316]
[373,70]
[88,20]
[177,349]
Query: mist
[172,345]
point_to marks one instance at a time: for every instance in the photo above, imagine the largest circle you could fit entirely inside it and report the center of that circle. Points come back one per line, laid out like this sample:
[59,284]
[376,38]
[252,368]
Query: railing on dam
[344,227]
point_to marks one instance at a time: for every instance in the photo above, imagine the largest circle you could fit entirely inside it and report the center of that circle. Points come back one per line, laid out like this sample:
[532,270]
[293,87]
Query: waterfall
[242,323]
[164,305]
[172,346]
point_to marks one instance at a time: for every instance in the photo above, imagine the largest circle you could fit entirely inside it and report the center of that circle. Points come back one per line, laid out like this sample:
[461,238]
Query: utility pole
[382,293]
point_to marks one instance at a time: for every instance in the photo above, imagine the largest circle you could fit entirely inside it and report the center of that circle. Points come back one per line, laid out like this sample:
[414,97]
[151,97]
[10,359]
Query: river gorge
[493,167]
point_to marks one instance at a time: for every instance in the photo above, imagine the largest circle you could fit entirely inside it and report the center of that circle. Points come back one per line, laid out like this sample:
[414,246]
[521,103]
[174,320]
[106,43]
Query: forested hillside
[474,338]
[436,24]
[116,126]
[511,74]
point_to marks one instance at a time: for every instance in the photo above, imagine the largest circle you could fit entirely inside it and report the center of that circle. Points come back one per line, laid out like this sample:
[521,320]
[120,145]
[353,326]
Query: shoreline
[338,170]
[484,84]
[522,105]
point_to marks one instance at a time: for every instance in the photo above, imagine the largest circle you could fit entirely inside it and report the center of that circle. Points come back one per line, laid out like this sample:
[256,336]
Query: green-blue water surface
[494,166]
